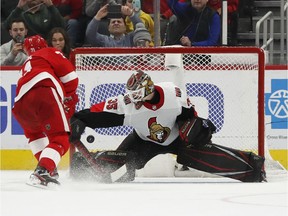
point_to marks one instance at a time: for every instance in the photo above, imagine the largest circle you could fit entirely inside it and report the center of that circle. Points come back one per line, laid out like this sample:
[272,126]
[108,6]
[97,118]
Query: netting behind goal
[225,84]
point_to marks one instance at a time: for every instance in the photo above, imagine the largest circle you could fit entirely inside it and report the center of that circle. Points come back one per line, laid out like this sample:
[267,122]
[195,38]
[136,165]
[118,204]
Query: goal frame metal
[198,50]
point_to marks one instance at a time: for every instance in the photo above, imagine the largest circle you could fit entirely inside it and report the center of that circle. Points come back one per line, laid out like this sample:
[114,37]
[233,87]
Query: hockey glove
[77,128]
[70,104]
[196,131]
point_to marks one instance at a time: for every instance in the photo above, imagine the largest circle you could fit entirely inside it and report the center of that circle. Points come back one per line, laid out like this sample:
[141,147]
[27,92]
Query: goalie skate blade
[118,173]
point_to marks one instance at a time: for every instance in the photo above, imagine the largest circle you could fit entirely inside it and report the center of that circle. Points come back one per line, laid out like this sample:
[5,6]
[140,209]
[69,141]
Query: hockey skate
[54,174]
[41,178]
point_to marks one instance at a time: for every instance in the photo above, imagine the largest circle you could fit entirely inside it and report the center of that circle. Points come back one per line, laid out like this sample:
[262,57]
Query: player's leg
[25,113]
[197,151]
[223,161]
[32,112]
[37,143]
[143,151]
[56,127]
[81,169]
[102,166]
[54,124]
[133,152]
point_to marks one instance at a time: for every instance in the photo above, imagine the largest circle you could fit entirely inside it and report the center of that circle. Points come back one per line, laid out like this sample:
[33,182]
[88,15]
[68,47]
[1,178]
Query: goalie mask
[139,86]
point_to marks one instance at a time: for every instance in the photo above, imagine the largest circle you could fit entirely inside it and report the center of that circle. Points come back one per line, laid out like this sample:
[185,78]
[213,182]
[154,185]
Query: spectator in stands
[116,27]
[165,14]
[93,6]
[196,25]
[59,39]
[40,16]
[7,6]
[135,5]
[71,10]
[232,7]
[12,51]
[142,37]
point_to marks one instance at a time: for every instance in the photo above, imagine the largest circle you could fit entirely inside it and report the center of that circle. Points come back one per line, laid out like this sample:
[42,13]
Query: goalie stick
[97,169]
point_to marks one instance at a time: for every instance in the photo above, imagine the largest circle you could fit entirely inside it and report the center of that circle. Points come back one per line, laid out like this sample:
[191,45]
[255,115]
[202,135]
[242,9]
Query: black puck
[90,139]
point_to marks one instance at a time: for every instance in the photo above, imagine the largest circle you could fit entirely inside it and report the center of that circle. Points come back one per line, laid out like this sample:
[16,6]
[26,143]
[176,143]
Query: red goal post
[225,83]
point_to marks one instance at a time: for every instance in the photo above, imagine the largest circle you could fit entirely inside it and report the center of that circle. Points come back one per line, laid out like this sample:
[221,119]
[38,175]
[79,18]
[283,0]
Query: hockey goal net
[226,84]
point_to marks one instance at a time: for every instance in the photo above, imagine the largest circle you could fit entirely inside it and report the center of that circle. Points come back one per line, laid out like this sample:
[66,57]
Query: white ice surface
[145,197]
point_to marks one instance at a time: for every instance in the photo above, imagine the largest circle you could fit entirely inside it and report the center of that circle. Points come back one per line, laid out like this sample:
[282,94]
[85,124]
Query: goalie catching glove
[77,128]
[196,131]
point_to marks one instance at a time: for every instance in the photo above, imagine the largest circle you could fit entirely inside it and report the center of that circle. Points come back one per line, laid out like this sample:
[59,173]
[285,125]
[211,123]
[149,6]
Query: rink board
[15,152]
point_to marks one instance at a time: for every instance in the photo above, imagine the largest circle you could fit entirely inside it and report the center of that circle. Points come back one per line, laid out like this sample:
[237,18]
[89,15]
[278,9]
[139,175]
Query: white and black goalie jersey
[155,122]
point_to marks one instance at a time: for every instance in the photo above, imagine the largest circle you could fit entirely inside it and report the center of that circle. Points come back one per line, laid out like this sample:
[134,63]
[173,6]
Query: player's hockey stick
[98,171]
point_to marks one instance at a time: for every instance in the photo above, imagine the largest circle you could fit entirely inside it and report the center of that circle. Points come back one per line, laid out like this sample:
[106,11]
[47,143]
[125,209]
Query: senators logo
[158,133]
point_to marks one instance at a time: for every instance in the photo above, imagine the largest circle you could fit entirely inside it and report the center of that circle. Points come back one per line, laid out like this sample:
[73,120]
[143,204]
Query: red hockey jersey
[47,67]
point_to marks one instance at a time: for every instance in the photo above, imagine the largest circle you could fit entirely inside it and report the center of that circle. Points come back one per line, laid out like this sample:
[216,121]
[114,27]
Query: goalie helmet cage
[226,84]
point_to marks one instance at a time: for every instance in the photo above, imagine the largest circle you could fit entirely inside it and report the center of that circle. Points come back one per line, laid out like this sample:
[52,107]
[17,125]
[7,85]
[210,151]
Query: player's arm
[194,130]
[96,117]
[65,71]
[99,119]
[67,74]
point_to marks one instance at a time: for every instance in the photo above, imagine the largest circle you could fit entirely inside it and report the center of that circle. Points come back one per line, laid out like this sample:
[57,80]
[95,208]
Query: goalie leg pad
[223,161]
[114,163]
[80,168]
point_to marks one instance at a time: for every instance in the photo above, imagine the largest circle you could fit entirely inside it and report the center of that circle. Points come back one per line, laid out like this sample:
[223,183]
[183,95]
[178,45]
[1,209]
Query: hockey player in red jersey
[45,100]
[164,121]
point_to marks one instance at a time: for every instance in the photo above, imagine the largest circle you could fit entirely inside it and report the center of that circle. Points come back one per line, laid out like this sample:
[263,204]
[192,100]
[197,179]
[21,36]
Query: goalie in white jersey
[164,121]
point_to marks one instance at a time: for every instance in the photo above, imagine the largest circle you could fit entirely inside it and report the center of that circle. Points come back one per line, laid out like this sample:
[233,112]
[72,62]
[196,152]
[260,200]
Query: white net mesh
[156,61]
